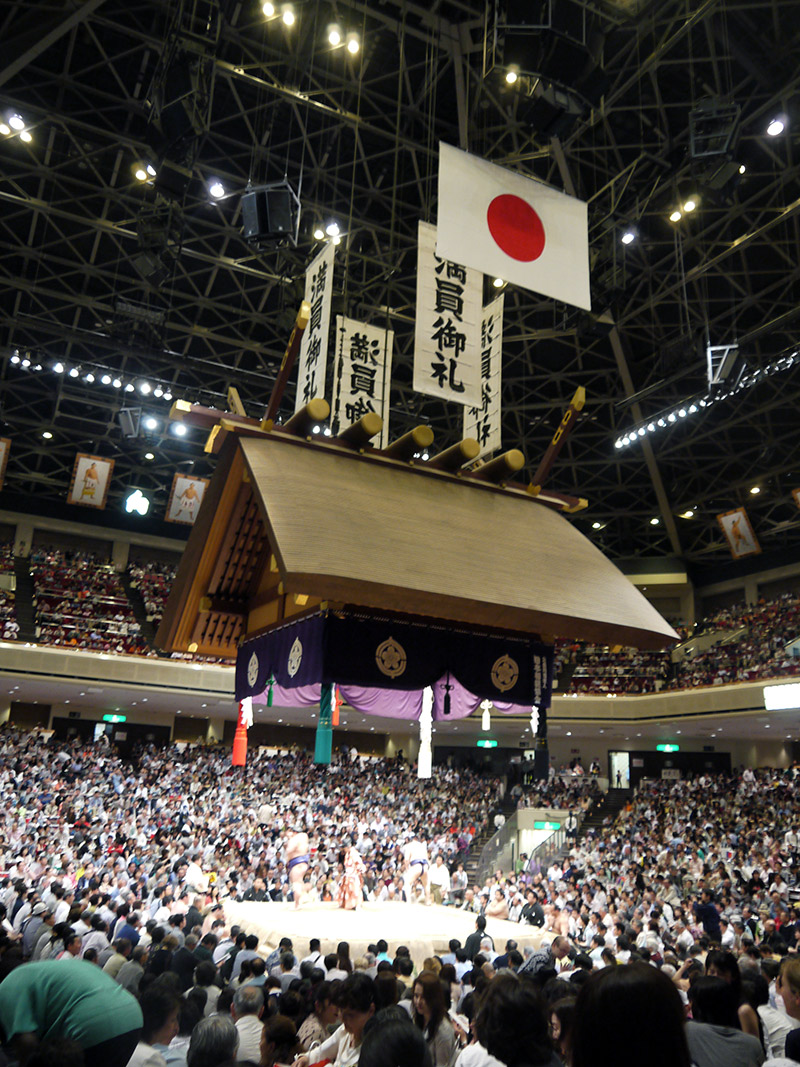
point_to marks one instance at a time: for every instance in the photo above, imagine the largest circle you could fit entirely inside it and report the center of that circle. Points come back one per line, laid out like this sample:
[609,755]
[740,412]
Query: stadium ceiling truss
[103,273]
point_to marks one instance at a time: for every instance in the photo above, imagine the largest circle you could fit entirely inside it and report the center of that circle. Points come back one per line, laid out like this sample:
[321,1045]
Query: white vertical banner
[448,327]
[362,374]
[425,754]
[314,346]
[483,421]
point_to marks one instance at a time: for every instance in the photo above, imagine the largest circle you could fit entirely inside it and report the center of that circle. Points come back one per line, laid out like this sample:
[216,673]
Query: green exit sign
[115,718]
[668,748]
[547,826]
[486,744]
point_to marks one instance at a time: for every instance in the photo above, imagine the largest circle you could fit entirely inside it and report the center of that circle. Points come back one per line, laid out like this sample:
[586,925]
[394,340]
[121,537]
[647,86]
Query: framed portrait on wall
[91,477]
[739,533]
[5,447]
[185,499]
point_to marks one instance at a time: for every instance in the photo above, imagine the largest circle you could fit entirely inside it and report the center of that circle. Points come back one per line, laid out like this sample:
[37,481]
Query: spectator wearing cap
[31,928]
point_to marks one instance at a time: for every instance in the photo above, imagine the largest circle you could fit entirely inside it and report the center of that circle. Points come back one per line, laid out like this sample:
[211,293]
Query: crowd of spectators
[153,581]
[81,603]
[9,627]
[675,930]
[752,645]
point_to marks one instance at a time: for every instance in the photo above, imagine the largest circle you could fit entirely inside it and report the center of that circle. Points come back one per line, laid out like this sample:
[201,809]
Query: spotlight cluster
[15,126]
[336,36]
[692,406]
[99,376]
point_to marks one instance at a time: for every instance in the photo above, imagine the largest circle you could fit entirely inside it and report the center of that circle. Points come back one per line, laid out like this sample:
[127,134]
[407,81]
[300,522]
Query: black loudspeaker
[254,214]
[541,759]
[268,214]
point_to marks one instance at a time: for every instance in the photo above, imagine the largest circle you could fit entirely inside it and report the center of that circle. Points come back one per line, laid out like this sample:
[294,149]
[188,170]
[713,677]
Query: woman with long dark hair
[430,1015]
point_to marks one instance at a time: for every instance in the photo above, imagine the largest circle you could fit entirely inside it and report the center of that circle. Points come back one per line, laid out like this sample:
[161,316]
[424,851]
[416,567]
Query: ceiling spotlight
[336,240]
[498,283]
[74,372]
[16,122]
[117,383]
[89,378]
[676,216]
[216,189]
[47,435]
[129,387]
[138,502]
[755,490]
[597,526]
[106,379]
[316,429]
[168,395]
[334,35]
[288,16]
[687,514]
[268,9]
[145,387]
[628,237]
[742,168]
[332,229]
[655,522]
[149,455]
[352,44]
[151,170]
[5,130]
[690,204]
[141,174]
[318,234]
[179,429]
[775,128]
[511,75]
[158,391]
[150,423]
[25,136]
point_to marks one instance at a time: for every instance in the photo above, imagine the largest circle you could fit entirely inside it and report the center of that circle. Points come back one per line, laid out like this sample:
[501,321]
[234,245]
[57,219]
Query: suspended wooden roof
[290,523]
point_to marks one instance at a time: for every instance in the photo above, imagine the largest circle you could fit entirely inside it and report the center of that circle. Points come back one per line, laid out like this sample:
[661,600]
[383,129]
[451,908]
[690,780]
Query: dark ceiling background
[608,118]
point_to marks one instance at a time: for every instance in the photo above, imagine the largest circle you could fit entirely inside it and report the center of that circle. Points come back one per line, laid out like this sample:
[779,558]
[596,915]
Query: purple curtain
[391,703]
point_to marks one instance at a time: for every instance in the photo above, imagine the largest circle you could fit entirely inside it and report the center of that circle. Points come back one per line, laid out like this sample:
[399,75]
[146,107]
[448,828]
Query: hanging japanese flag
[512,227]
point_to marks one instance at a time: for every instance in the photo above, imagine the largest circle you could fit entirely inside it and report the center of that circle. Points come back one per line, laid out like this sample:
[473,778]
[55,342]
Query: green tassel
[269,692]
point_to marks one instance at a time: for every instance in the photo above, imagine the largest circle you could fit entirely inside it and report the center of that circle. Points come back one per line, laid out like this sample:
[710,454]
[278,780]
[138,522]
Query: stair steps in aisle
[26,613]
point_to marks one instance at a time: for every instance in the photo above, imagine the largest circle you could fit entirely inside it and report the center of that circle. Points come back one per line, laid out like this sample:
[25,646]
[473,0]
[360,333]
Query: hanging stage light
[702,403]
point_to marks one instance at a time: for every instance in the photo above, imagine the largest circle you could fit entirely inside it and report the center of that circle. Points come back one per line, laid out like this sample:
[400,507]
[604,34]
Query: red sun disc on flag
[516,227]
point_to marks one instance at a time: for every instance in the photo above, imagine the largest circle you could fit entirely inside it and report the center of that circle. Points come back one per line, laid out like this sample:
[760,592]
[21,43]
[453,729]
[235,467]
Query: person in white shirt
[247,1009]
[439,879]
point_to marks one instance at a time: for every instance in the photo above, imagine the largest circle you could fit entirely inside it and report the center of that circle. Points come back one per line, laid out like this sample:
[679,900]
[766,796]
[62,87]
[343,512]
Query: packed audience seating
[9,627]
[757,652]
[669,937]
[81,603]
[154,581]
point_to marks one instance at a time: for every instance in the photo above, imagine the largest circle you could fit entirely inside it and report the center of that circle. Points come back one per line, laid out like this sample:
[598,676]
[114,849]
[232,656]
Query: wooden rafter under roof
[288,524]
